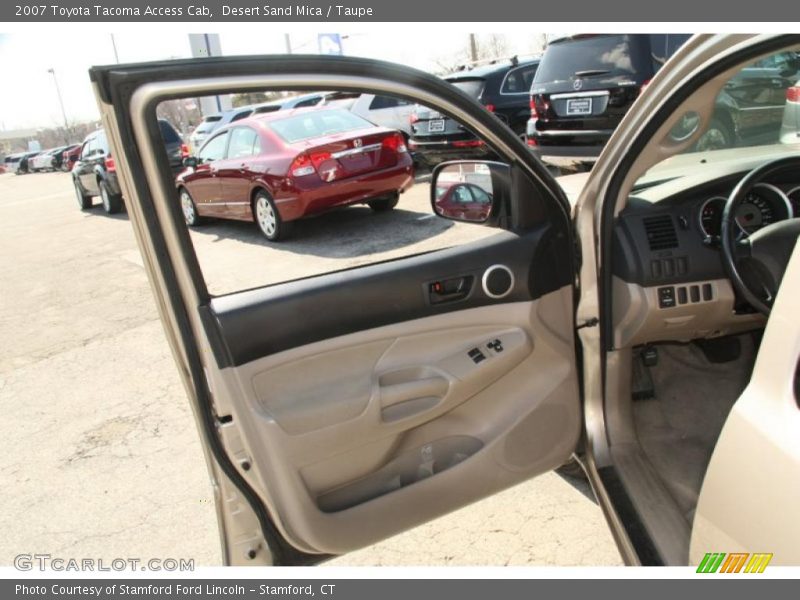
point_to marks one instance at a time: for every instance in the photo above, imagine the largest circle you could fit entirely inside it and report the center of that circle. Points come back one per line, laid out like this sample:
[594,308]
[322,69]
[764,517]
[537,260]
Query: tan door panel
[396,425]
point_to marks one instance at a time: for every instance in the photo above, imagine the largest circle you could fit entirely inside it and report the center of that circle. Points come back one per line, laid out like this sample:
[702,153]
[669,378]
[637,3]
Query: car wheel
[268,219]
[189,209]
[84,201]
[384,204]
[718,136]
[112,203]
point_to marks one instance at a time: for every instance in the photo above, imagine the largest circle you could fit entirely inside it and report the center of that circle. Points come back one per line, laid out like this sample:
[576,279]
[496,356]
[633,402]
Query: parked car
[44,160]
[502,87]
[23,164]
[584,86]
[58,158]
[70,156]
[790,125]
[386,111]
[11,162]
[203,130]
[462,200]
[751,110]
[173,143]
[282,166]
[95,174]
[211,123]
[301,101]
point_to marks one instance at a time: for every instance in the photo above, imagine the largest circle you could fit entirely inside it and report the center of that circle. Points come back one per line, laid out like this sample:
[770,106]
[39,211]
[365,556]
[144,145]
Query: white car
[386,111]
[645,330]
[44,161]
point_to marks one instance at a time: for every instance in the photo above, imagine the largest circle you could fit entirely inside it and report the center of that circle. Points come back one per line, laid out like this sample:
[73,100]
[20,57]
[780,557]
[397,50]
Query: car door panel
[363,412]
[378,294]
[351,406]
[318,419]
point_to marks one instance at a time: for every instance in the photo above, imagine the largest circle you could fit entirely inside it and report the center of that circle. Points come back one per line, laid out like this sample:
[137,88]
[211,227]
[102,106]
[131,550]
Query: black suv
[501,86]
[584,86]
[95,172]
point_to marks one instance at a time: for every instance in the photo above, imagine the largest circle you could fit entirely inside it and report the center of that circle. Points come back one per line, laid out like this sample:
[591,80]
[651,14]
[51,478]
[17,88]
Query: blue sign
[330,43]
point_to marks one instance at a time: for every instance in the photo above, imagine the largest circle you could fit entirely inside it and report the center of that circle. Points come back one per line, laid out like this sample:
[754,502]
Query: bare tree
[477,49]
[184,114]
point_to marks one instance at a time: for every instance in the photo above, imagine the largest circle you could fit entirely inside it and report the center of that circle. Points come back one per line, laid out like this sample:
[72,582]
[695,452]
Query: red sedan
[279,167]
[70,157]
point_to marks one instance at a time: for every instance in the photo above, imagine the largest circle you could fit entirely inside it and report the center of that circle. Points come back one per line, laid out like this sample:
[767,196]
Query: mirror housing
[470,191]
[190,162]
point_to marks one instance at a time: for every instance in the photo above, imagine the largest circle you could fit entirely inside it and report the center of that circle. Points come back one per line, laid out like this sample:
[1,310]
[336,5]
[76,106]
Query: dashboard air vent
[661,234]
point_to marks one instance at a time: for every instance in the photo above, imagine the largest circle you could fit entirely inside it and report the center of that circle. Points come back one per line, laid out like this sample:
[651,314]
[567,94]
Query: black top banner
[263,11]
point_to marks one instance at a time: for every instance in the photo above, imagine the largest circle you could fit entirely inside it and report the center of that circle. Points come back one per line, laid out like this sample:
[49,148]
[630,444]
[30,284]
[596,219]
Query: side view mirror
[190,162]
[469,190]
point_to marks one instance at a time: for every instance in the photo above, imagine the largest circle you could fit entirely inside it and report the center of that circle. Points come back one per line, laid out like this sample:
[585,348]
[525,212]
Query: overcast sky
[29,96]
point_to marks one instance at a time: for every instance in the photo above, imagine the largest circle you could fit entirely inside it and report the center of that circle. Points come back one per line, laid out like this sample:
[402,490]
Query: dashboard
[764,205]
[669,280]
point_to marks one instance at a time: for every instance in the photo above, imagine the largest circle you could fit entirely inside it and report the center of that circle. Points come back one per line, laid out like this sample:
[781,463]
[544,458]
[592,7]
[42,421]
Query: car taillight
[490,107]
[317,158]
[110,164]
[395,142]
[468,144]
[301,166]
[793,94]
[531,141]
[184,150]
[534,113]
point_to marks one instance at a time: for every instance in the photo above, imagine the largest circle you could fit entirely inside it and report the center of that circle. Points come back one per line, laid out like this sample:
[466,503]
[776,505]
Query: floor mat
[680,426]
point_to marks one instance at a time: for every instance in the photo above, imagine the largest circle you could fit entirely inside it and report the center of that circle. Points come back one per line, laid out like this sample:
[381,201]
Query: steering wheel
[756,264]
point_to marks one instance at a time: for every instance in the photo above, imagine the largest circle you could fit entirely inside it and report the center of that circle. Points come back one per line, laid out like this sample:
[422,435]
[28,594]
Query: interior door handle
[450,290]
[410,392]
[429,387]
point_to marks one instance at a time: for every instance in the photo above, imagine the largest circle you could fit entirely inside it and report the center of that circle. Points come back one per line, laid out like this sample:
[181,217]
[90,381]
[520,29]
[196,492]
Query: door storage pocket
[402,470]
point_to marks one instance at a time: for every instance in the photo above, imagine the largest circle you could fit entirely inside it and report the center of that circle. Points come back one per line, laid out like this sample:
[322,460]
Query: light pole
[61,104]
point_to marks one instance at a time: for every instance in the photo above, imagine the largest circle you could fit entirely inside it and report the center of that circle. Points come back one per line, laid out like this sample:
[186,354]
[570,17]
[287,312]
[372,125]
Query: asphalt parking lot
[100,456]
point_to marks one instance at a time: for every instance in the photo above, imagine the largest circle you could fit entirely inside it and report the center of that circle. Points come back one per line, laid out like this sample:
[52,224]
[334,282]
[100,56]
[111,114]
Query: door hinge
[593,322]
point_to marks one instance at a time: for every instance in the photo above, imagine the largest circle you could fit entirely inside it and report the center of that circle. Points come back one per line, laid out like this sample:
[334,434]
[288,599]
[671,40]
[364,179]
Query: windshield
[314,124]
[757,111]
[601,56]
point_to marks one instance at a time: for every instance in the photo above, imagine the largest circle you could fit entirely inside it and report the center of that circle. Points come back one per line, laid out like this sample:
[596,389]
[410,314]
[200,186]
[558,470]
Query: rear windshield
[317,124]
[472,87]
[168,133]
[600,56]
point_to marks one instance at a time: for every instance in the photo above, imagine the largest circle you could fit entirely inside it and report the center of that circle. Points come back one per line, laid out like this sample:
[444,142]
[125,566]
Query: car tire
[112,203]
[84,201]
[268,219]
[718,136]
[189,208]
[384,204]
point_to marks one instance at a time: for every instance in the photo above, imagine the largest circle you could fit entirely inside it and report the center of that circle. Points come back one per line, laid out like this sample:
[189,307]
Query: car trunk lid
[348,154]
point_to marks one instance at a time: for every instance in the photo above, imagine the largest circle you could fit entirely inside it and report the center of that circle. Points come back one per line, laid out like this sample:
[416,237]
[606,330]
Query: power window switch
[476,355]
[495,346]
